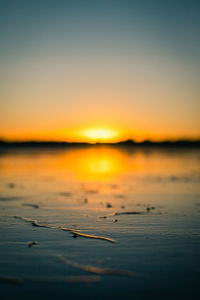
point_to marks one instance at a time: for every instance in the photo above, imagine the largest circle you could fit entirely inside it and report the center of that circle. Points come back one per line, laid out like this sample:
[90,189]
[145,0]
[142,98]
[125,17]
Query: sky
[81,70]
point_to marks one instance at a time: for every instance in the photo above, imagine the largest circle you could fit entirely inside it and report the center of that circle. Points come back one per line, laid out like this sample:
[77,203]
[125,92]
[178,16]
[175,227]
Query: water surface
[92,189]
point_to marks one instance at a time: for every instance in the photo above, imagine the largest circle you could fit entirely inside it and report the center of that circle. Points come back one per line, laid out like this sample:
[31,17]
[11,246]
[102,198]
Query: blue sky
[128,64]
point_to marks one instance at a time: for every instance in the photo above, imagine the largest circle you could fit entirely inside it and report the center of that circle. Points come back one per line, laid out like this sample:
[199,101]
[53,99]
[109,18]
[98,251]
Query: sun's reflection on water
[95,163]
[99,164]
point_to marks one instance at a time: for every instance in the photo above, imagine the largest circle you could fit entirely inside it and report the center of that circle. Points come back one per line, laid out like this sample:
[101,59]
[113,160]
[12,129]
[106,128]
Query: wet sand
[100,223]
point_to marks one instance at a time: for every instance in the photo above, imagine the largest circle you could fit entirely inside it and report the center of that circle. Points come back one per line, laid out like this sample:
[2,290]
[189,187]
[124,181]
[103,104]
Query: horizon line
[128,142]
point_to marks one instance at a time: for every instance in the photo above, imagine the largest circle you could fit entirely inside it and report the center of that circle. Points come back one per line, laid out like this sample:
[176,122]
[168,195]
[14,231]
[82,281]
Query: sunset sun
[99,134]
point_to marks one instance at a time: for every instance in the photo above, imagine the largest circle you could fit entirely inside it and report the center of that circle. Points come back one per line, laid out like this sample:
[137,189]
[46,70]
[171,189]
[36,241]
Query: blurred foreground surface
[157,249]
